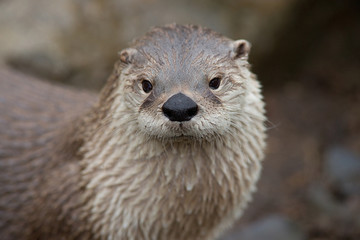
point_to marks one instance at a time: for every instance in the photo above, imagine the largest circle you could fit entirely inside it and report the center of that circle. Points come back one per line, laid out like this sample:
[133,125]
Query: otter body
[171,149]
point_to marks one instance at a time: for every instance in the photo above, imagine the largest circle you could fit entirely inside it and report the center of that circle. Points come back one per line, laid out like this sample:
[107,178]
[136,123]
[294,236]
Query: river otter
[171,149]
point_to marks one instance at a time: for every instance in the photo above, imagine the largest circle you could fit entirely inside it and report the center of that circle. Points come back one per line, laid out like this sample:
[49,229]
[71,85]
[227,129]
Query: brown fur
[120,169]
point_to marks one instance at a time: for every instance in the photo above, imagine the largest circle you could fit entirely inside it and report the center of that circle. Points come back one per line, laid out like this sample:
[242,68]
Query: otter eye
[146,86]
[215,83]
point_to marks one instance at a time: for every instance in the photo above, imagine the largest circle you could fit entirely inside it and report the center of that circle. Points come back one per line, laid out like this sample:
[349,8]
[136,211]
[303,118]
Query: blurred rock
[270,228]
[336,201]
[326,203]
[343,169]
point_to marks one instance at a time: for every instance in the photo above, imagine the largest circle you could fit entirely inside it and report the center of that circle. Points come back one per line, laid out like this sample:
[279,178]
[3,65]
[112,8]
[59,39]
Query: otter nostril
[192,111]
[180,108]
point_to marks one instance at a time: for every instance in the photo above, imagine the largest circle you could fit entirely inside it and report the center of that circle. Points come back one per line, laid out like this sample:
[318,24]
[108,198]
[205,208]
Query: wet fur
[120,169]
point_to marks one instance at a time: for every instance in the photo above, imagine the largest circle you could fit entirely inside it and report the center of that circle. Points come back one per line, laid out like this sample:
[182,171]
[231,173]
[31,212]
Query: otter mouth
[181,128]
[180,131]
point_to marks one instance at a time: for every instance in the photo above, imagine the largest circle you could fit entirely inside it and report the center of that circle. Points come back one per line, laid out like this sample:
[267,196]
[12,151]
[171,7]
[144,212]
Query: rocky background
[306,54]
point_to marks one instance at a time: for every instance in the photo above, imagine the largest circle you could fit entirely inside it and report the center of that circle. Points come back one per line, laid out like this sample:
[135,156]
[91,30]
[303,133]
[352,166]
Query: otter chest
[167,198]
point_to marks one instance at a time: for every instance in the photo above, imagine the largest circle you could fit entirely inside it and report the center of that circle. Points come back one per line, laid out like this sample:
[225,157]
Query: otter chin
[170,149]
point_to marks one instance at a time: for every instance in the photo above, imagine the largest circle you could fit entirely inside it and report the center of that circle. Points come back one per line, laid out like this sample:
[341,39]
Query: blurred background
[306,54]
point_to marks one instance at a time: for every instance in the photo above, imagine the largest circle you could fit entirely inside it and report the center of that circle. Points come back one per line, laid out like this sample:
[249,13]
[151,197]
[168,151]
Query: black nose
[179,108]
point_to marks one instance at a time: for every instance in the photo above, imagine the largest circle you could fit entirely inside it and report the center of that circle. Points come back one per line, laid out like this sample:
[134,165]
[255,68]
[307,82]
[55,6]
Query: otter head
[185,82]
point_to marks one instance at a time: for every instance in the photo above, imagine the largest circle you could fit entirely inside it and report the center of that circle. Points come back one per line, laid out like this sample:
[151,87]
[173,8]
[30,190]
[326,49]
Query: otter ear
[240,49]
[127,55]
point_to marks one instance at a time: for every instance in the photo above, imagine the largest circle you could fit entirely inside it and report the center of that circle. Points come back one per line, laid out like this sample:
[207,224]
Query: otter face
[186,82]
